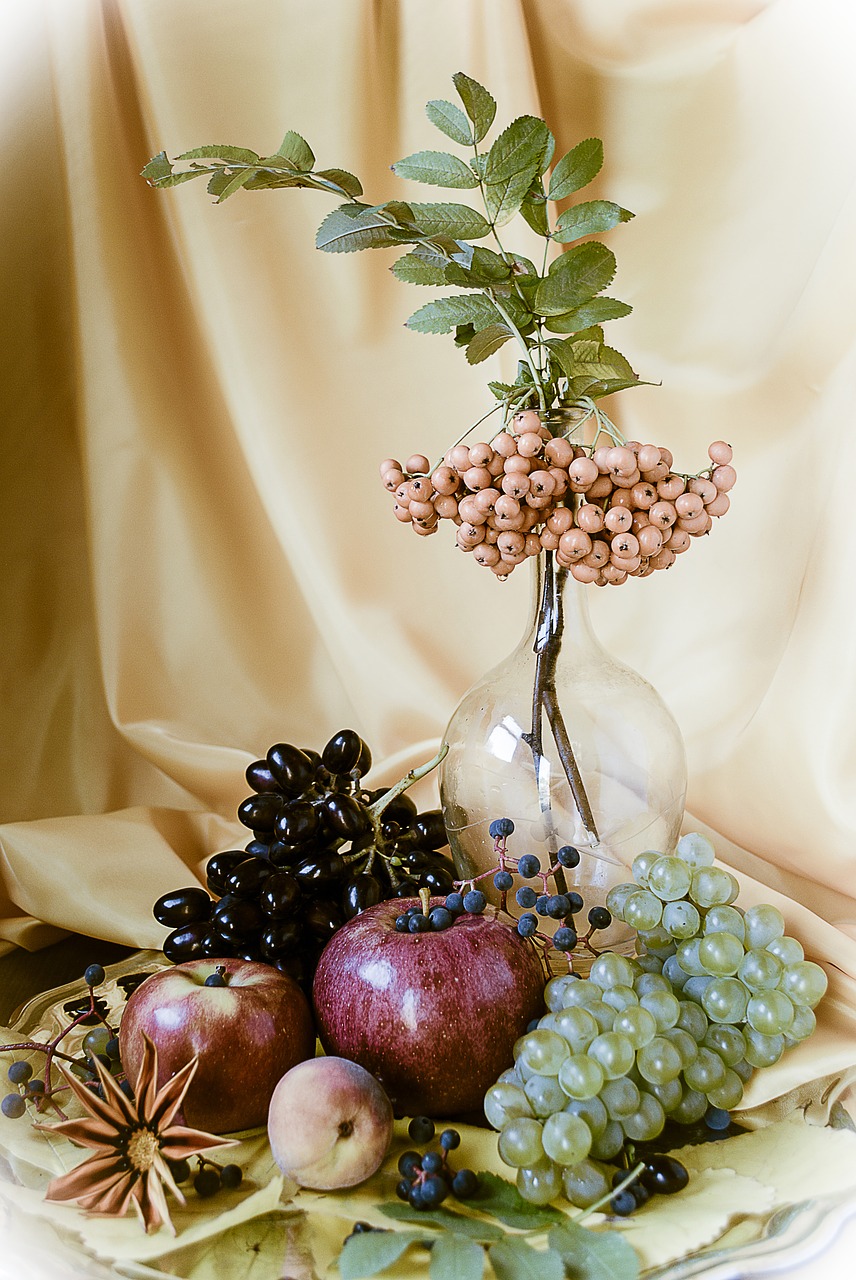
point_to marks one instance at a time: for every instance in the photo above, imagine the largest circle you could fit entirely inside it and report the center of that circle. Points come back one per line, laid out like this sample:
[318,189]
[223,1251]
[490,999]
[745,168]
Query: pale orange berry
[422,489]
[590,518]
[671,487]
[480,454]
[515,483]
[532,545]
[724,477]
[648,457]
[613,574]
[560,481]
[705,489]
[446,506]
[622,498]
[582,473]
[416,464]
[561,520]
[599,554]
[666,456]
[401,512]
[653,474]
[541,483]
[618,519]
[663,514]
[720,452]
[421,510]
[486,554]
[526,421]
[393,479]
[471,533]
[719,506]
[517,463]
[529,444]
[584,572]
[679,541]
[663,559]
[621,461]
[389,464]
[644,495]
[496,465]
[559,452]
[640,521]
[478,478]
[469,510]
[445,480]
[624,544]
[549,540]
[689,505]
[459,458]
[424,530]
[505,444]
[629,564]
[600,458]
[539,503]
[485,500]
[650,540]
[601,488]
[575,544]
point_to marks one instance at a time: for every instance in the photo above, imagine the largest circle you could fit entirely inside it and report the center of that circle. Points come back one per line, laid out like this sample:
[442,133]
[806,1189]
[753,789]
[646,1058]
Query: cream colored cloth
[198,557]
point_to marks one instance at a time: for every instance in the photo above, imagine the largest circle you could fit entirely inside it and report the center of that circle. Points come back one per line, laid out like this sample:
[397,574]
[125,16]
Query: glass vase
[571,744]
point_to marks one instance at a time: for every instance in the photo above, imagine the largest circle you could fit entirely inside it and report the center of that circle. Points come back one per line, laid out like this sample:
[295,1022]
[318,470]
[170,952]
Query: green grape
[609,1143]
[96,1041]
[685,1044]
[760,970]
[617,897]
[620,1097]
[545,1094]
[788,950]
[668,1095]
[637,1025]
[520,1142]
[659,1061]
[658,941]
[611,970]
[729,1094]
[694,988]
[669,878]
[693,1019]
[614,1053]
[541,1052]
[649,964]
[720,953]
[688,957]
[803,1024]
[648,982]
[620,997]
[664,1006]
[674,974]
[567,1139]
[761,1050]
[762,923]
[725,920]
[504,1102]
[646,1123]
[511,1076]
[577,1026]
[696,850]
[681,919]
[805,983]
[743,1070]
[725,1000]
[603,1014]
[554,992]
[540,1183]
[580,992]
[713,887]
[726,1041]
[643,910]
[642,864]
[586,1183]
[581,1077]
[691,1107]
[770,1012]
[706,1073]
[592,1110]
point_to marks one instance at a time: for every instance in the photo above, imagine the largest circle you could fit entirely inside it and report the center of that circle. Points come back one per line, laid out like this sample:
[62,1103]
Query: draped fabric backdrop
[198,557]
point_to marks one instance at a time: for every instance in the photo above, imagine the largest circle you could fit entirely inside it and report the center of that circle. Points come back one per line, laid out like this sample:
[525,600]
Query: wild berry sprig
[427,1178]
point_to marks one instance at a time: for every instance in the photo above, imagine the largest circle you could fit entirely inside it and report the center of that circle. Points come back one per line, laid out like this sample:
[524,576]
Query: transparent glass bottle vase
[571,744]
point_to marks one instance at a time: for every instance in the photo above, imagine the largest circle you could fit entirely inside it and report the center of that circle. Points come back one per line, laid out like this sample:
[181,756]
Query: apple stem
[425,899]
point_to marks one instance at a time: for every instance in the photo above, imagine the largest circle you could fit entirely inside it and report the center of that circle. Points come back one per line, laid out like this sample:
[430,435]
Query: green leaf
[500,389]
[589,219]
[372,1251]
[444,314]
[595,311]
[414,269]
[348,183]
[437,167]
[574,278]
[576,168]
[261,181]
[516,1260]
[456,220]
[158,172]
[235,183]
[455,1258]
[444,1220]
[486,341]
[501,1199]
[464,334]
[594,1255]
[450,120]
[232,155]
[351,227]
[577,357]
[477,164]
[486,268]
[298,150]
[513,162]
[479,104]
[534,208]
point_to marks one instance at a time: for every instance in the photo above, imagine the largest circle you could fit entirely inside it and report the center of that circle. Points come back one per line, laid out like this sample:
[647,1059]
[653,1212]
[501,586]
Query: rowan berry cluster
[608,512]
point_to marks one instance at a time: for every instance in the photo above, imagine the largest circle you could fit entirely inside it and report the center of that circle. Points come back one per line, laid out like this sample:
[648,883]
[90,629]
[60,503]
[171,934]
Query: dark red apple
[433,1016]
[247,1034]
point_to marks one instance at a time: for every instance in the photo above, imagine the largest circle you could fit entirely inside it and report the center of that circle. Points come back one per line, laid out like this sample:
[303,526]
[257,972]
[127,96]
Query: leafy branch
[506,296]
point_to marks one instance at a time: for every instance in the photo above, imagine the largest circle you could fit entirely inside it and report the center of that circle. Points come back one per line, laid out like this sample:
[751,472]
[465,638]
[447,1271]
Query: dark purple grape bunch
[323,849]
[660,1175]
[427,1178]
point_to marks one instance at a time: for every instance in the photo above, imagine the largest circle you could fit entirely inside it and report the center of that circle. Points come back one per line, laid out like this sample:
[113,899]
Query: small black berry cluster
[427,1178]
[209,1178]
[660,1175]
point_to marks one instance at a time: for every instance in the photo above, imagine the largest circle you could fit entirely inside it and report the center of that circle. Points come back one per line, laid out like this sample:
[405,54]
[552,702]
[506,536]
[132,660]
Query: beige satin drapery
[198,558]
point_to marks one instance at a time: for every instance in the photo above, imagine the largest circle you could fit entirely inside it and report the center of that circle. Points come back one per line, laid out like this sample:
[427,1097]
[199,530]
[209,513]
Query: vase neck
[558,603]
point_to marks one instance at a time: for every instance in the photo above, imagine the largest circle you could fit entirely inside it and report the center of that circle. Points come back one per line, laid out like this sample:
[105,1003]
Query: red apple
[433,1016]
[247,1034]
[329,1124]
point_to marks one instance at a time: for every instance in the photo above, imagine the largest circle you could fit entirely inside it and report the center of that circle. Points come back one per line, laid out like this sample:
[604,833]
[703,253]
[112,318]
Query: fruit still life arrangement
[382,1013]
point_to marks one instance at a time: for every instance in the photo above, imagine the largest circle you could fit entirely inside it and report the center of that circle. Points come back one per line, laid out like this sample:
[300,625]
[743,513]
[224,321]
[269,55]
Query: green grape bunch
[672,1034]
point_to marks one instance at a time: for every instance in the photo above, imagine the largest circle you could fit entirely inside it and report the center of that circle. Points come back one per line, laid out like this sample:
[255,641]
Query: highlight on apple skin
[247,1033]
[433,1016]
[329,1124]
